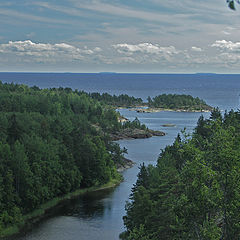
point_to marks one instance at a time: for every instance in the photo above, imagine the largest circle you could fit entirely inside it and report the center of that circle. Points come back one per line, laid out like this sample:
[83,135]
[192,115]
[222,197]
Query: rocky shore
[135,133]
[126,164]
[153,110]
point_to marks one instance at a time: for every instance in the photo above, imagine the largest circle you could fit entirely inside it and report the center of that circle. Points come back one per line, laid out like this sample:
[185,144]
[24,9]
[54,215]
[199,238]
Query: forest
[193,192]
[163,101]
[178,102]
[56,141]
[52,142]
[123,100]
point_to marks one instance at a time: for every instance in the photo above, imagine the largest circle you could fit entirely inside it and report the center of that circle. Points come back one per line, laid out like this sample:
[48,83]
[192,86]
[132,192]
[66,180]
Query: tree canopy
[194,191]
[178,102]
[52,142]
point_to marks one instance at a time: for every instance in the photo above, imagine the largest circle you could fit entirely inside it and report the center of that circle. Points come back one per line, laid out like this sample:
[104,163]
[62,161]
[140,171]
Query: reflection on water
[91,205]
[98,215]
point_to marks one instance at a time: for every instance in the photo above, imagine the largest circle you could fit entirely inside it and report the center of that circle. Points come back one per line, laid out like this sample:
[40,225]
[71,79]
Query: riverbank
[126,164]
[153,110]
[39,213]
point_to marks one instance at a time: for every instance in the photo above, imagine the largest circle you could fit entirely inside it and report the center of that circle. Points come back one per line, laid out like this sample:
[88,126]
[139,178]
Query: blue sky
[121,36]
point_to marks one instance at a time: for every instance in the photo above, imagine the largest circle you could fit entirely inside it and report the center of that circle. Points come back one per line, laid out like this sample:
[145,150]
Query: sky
[150,36]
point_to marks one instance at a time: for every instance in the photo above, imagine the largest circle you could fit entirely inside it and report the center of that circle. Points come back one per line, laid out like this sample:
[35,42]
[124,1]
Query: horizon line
[110,72]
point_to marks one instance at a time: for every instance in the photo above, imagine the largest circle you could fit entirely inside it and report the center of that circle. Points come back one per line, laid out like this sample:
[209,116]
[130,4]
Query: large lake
[99,215]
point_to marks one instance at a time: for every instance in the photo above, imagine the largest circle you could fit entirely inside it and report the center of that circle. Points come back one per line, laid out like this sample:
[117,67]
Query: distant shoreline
[143,109]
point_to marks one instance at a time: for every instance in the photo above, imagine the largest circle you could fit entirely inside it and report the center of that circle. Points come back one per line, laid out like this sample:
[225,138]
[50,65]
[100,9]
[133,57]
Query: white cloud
[196,49]
[47,51]
[194,58]
[97,49]
[117,9]
[228,57]
[147,48]
[148,53]
[221,54]
[227,45]
[225,32]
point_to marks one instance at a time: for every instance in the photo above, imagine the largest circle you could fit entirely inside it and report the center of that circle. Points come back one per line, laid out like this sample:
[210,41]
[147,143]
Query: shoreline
[39,213]
[135,133]
[154,110]
[126,164]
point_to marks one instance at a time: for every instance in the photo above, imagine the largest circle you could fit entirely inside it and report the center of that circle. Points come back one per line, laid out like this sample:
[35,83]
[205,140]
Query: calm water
[99,215]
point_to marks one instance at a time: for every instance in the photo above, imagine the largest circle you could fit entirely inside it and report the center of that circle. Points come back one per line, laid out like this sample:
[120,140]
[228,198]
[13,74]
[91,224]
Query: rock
[126,164]
[157,133]
[135,133]
[169,125]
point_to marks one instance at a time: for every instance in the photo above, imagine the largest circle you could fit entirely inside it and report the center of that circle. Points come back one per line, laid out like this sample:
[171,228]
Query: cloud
[227,55]
[196,49]
[60,8]
[148,53]
[130,21]
[227,45]
[46,51]
[229,30]
[147,48]
[97,49]
[127,56]
[171,57]
[19,15]
[225,32]
[127,11]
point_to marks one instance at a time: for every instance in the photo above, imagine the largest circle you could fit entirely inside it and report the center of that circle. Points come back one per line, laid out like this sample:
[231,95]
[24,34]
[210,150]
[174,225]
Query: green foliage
[231,4]
[135,124]
[175,101]
[194,191]
[122,100]
[50,147]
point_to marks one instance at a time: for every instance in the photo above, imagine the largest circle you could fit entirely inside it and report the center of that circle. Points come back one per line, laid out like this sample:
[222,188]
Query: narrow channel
[98,215]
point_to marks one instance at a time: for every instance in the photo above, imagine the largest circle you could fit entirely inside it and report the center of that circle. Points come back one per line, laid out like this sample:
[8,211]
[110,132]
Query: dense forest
[194,191]
[177,101]
[123,100]
[52,142]
[164,101]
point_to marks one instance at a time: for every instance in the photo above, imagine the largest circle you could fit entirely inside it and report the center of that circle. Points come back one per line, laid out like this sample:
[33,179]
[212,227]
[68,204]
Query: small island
[163,102]
[173,102]
[177,102]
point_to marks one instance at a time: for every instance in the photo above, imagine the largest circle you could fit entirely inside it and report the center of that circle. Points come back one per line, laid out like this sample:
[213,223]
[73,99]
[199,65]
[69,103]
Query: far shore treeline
[162,101]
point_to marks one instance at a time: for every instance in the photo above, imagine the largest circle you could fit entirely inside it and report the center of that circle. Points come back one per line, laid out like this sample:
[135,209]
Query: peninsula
[163,102]
[177,102]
